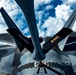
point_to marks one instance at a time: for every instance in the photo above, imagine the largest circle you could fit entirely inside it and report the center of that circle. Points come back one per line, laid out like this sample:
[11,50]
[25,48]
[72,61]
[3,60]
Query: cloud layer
[47,25]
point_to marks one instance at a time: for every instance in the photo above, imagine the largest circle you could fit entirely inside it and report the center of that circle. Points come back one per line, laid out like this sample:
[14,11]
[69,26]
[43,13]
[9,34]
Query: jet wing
[7,50]
[56,39]
[21,41]
[70,43]
[62,34]
[69,24]
[7,38]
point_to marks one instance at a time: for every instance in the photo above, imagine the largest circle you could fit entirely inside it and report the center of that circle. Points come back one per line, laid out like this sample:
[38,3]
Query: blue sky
[50,15]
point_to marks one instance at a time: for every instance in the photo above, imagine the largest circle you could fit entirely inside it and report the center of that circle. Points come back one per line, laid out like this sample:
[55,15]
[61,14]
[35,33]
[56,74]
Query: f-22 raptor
[33,44]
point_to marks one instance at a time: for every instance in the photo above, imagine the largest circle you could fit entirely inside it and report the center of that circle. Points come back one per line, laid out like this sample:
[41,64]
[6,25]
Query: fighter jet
[33,45]
[38,52]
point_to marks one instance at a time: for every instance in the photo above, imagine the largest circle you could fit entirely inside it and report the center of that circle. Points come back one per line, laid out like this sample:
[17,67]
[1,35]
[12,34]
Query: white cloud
[62,12]
[69,2]
[13,11]
[8,6]
[41,33]
[39,15]
[53,25]
[19,23]
[25,30]
[49,7]
[41,2]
